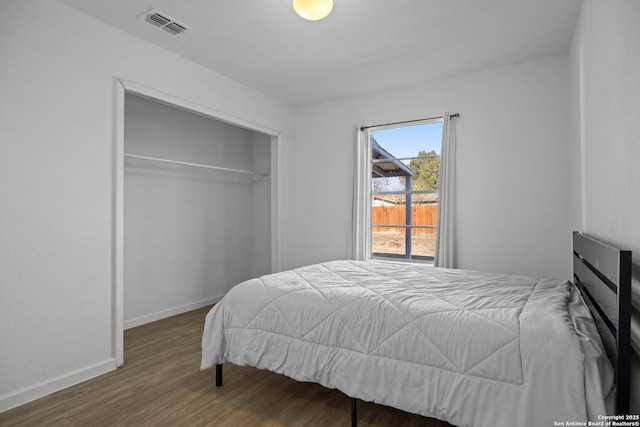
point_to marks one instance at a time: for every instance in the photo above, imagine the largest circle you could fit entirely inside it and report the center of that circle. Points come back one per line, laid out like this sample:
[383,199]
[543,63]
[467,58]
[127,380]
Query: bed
[467,347]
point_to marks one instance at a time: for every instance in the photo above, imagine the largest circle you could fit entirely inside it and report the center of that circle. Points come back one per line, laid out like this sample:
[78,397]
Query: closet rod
[197,165]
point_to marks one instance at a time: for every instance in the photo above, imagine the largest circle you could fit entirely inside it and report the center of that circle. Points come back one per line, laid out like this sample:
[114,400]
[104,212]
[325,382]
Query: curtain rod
[451,116]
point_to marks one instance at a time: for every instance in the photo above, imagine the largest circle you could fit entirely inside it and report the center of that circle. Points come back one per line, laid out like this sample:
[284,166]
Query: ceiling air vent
[165,22]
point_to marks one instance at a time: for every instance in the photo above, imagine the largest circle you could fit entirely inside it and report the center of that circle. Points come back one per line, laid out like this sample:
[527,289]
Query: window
[405,178]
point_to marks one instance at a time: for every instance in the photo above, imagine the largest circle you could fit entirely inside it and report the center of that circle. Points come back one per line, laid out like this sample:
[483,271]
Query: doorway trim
[123,87]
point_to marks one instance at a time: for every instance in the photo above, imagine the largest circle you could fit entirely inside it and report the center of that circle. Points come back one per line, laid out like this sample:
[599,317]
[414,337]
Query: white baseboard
[159,315]
[30,393]
[27,394]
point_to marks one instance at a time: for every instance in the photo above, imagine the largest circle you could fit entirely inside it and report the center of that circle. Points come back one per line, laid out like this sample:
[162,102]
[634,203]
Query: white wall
[513,182]
[260,212]
[605,105]
[57,168]
[189,232]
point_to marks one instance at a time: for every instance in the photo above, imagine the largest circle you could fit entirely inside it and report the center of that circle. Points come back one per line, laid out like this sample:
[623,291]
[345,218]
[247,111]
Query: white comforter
[471,348]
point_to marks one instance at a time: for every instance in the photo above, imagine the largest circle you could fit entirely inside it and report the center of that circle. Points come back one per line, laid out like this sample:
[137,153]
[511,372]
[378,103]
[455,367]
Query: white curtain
[361,200]
[444,251]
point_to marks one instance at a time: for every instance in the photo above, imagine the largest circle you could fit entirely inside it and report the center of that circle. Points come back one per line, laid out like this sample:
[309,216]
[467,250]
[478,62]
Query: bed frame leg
[219,375]
[354,412]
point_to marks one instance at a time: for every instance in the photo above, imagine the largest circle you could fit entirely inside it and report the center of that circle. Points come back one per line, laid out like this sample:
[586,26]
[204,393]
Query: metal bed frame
[603,275]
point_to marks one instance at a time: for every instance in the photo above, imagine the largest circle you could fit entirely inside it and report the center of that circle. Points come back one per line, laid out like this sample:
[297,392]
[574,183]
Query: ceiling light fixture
[313,10]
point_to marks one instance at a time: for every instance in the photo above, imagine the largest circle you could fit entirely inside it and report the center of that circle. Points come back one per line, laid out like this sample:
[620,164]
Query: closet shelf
[196,165]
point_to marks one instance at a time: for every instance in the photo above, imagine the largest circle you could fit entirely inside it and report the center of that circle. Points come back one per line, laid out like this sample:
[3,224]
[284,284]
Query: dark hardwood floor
[160,384]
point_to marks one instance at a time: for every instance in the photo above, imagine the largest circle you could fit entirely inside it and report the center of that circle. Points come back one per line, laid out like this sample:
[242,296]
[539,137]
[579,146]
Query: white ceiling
[363,46]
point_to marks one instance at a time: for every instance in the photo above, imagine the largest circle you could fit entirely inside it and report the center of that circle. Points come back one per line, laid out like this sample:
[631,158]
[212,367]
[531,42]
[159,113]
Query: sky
[406,141]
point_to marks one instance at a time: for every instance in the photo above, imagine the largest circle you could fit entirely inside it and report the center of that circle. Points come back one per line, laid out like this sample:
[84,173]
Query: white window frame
[361,245]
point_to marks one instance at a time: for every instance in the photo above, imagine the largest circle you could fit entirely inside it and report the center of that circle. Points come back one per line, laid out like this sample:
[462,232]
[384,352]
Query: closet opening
[195,209]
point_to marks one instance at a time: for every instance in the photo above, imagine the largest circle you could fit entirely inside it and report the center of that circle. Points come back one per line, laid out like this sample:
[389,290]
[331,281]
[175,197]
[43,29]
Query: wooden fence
[395,215]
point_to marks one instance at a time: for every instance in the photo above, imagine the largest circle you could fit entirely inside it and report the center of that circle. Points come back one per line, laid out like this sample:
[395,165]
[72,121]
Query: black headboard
[603,274]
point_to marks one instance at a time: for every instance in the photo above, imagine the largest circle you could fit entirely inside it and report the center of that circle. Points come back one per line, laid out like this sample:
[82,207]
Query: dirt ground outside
[393,243]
